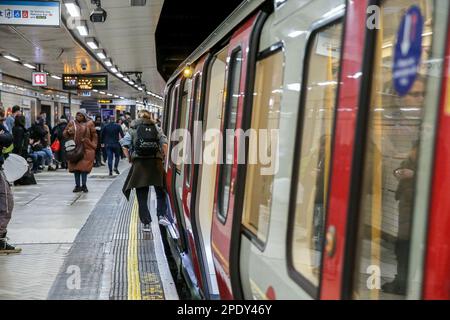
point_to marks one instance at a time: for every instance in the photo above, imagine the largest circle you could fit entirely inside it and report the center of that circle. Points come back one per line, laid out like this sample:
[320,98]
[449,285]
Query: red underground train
[348,199]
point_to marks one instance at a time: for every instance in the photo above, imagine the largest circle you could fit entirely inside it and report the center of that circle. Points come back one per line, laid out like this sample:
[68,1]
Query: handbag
[74,152]
[56,145]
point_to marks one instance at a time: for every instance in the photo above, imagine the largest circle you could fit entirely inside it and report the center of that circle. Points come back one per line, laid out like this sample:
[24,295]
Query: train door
[191,159]
[226,172]
[176,233]
[379,197]
[204,197]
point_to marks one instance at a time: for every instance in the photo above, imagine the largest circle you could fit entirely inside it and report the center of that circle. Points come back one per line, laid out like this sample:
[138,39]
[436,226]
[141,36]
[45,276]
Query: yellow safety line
[134,281]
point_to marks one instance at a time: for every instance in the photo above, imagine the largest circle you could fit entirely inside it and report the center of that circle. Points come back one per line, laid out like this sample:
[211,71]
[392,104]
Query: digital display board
[85,82]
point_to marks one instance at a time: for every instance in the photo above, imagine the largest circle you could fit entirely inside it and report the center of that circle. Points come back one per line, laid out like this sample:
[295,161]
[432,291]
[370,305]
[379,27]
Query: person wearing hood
[145,146]
[58,133]
[82,131]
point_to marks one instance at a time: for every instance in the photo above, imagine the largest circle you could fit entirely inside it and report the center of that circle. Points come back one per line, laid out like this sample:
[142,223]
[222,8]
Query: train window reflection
[315,152]
[230,123]
[390,163]
[265,116]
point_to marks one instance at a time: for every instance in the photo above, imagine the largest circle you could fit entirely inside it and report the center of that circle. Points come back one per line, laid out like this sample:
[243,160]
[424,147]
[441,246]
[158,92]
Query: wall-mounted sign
[39,79]
[85,93]
[85,82]
[104,101]
[408,51]
[30,13]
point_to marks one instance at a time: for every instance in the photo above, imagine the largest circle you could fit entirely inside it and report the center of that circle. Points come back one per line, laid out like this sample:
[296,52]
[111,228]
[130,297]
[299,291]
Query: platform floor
[82,246]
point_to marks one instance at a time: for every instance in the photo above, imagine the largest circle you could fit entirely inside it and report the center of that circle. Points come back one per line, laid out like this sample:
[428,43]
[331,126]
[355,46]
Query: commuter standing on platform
[82,131]
[10,121]
[58,133]
[111,135]
[145,146]
[6,196]
[100,146]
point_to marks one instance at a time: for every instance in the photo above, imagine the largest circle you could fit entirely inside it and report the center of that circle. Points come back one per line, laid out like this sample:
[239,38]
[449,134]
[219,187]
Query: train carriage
[346,196]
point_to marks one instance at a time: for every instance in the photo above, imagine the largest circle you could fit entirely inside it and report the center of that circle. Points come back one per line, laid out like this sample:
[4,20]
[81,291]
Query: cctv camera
[84,66]
[98,15]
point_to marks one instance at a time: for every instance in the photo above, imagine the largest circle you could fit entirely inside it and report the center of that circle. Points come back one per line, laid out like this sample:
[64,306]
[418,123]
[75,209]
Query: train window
[390,160]
[312,164]
[265,116]
[233,94]
[184,114]
[195,106]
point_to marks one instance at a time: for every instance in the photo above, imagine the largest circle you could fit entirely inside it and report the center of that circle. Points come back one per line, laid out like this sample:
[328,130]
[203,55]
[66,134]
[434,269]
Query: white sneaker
[146,228]
[163,221]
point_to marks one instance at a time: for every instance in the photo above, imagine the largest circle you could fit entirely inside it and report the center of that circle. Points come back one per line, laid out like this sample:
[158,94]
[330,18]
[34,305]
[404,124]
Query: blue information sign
[408,51]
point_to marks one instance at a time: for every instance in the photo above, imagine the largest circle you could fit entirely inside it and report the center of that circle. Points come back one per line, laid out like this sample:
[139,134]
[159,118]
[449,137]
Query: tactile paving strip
[101,253]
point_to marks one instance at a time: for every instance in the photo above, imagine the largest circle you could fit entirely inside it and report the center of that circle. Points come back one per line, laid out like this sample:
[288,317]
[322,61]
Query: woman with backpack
[82,133]
[145,146]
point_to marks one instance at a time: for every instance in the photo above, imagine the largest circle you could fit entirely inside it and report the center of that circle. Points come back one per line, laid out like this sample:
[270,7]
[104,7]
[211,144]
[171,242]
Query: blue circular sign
[408,51]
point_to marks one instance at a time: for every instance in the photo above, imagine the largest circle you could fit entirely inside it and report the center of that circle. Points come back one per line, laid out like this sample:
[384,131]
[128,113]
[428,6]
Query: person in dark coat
[112,133]
[20,137]
[146,172]
[58,133]
[100,144]
[405,175]
[82,131]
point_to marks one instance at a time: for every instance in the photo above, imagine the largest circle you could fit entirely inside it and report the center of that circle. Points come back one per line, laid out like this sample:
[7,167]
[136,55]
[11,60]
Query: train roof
[235,18]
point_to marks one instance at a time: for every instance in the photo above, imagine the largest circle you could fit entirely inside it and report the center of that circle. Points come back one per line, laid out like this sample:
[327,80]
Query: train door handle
[330,241]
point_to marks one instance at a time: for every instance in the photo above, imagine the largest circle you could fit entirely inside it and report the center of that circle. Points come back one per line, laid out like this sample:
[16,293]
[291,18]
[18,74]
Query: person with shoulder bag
[145,146]
[80,148]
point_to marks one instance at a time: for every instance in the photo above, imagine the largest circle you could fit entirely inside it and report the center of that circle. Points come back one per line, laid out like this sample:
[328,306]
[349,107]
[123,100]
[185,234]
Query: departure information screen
[85,82]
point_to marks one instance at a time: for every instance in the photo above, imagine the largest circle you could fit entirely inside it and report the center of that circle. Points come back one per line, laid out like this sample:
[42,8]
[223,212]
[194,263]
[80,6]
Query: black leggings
[142,197]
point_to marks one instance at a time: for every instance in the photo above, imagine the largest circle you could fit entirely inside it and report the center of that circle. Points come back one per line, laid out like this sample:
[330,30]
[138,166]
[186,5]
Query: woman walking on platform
[82,132]
[145,146]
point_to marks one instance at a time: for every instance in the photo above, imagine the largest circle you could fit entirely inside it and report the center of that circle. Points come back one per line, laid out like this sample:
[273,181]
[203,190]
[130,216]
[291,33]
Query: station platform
[83,246]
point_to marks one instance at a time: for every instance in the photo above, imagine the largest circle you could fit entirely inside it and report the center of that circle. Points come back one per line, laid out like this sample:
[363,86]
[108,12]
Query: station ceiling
[151,39]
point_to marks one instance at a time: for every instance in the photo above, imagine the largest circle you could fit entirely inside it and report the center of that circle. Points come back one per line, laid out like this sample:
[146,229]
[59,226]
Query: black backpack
[147,141]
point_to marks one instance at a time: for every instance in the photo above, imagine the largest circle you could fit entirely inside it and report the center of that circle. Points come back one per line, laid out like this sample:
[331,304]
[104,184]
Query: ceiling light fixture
[119,75]
[92,43]
[83,29]
[29,66]
[114,69]
[72,8]
[54,76]
[11,57]
[101,54]
[108,63]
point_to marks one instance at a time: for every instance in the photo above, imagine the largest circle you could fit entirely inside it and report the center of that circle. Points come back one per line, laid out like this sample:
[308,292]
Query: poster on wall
[30,13]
